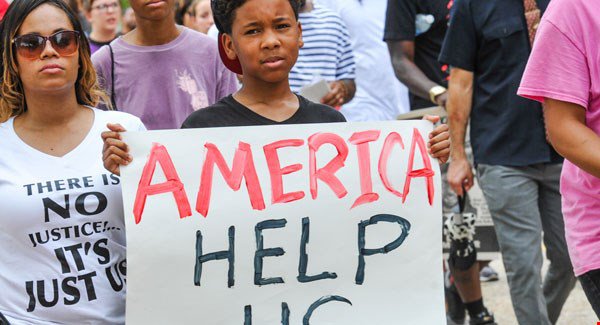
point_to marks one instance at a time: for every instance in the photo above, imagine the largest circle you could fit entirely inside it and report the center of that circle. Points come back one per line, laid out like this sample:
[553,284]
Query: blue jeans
[525,205]
[590,282]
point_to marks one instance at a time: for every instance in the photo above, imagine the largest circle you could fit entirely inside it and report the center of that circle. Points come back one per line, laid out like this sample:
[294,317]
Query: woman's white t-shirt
[62,233]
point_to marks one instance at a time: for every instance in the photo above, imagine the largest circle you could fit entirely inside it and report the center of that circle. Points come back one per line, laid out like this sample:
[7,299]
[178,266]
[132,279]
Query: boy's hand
[115,151]
[337,94]
[439,140]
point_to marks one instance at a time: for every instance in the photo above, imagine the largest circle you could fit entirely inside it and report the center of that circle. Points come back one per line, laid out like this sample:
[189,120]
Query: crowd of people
[520,81]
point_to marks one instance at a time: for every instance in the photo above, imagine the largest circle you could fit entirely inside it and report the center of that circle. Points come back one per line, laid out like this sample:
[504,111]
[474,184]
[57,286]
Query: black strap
[462,200]
[112,78]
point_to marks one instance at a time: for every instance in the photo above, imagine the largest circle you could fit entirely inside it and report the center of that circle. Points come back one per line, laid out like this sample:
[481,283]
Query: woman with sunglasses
[61,222]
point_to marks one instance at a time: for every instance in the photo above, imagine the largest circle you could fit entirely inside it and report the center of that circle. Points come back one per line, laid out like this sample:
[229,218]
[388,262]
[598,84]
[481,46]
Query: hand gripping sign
[301,224]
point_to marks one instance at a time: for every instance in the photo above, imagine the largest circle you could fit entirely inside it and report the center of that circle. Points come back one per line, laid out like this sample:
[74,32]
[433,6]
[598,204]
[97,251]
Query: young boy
[162,72]
[265,37]
[259,39]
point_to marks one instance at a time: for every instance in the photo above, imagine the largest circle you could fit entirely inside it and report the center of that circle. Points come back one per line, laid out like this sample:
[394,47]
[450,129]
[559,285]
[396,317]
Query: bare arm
[460,96]
[403,53]
[565,123]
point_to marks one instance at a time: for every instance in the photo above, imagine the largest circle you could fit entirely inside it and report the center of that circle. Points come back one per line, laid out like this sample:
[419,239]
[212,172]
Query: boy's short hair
[224,12]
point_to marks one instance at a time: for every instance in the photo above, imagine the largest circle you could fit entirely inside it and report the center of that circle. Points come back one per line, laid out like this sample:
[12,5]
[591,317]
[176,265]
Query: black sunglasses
[31,46]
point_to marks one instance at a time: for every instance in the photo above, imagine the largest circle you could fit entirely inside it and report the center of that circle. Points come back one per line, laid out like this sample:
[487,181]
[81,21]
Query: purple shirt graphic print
[198,97]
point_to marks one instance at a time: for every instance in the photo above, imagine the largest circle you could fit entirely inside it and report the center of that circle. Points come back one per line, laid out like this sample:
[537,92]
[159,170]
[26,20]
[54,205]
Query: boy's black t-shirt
[229,112]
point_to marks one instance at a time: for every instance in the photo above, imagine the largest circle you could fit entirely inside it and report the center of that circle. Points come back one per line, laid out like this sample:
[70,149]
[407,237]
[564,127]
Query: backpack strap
[112,78]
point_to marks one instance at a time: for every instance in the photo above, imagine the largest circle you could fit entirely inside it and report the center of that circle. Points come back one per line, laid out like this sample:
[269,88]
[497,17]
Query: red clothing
[3,8]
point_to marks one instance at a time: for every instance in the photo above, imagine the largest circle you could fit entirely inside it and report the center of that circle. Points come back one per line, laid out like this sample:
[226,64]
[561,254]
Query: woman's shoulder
[128,121]
[5,131]
[6,126]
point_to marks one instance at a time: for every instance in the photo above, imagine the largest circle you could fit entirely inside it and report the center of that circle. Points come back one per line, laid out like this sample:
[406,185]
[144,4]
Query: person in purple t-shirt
[104,17]
[162,72]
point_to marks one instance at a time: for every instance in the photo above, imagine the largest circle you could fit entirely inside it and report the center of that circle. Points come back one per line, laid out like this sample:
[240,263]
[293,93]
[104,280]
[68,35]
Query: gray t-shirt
[164,84]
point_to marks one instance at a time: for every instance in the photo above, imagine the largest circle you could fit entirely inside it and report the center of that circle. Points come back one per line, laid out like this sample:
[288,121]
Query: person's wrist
[457,154]
[440,100]
[344,89]
[435,92]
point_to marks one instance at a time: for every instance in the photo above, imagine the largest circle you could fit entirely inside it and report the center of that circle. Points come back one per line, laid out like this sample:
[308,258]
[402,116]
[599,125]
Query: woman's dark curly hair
[224,12]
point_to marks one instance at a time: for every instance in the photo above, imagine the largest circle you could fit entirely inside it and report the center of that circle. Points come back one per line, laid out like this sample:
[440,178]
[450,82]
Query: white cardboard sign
[317,223]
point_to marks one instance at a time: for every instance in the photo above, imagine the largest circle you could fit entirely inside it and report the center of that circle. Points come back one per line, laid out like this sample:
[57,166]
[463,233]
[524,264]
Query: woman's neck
[53,124]
[49,110]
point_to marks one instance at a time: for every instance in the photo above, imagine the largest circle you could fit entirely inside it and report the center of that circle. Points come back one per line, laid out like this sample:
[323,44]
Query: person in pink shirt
[563,72]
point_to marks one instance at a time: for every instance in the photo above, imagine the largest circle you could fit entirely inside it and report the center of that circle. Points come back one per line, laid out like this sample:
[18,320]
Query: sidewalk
[577,310]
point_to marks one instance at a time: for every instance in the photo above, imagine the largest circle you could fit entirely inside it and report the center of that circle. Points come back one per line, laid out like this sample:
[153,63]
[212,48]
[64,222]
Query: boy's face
[265,37]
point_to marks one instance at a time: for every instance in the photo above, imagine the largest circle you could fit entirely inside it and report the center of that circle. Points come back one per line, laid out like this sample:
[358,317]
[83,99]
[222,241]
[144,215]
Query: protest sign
[317,223]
